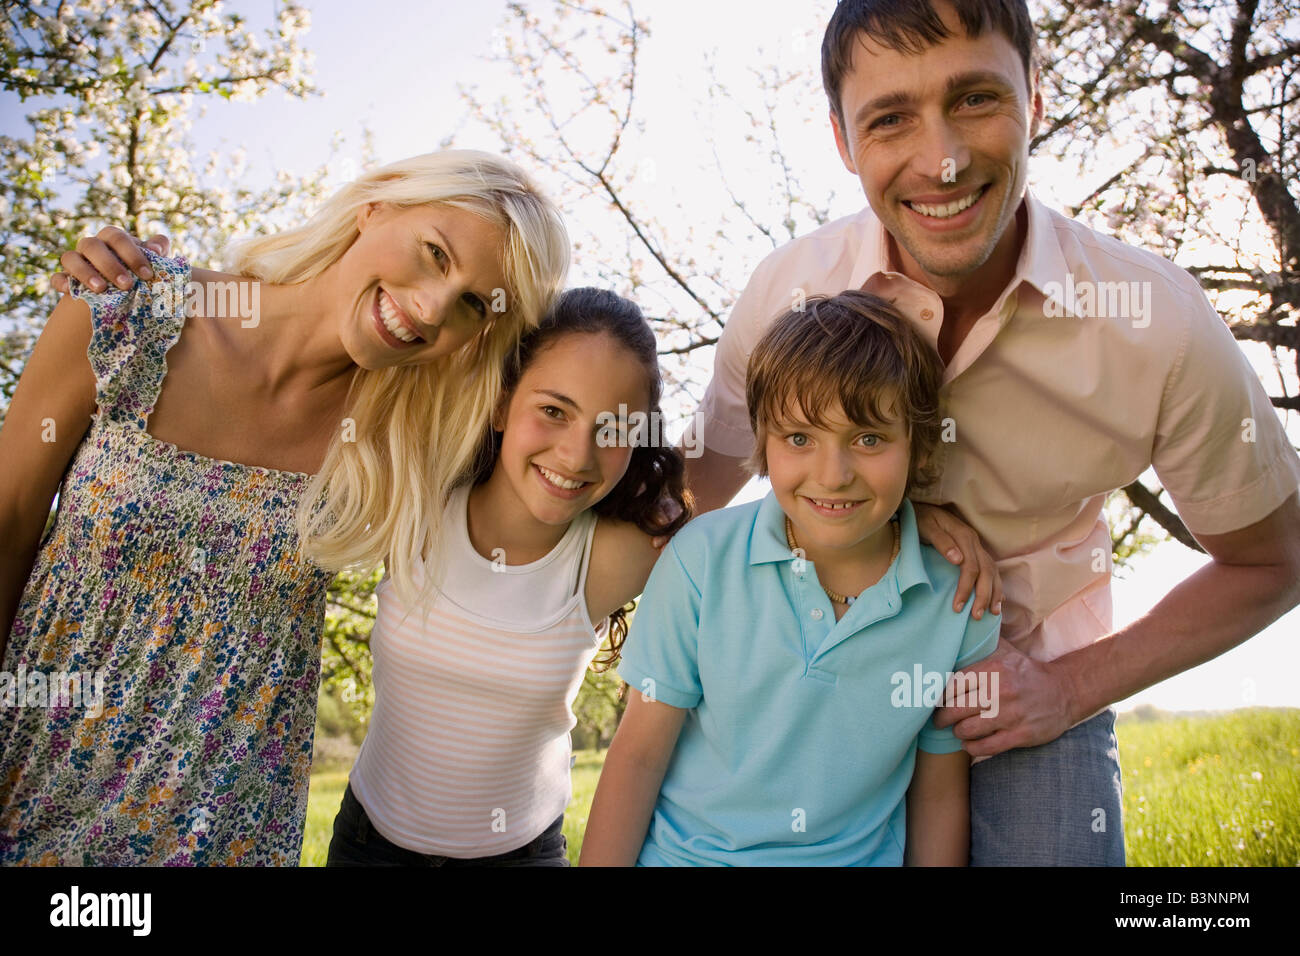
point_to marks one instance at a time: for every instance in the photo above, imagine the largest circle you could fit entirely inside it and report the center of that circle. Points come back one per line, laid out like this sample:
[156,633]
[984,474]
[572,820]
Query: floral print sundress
[177,581]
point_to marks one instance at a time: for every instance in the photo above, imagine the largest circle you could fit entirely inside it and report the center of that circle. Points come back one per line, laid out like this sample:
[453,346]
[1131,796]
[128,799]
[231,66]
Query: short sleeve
[722,420]
[979,641]
[130,333]
[661,655]
[1220,450]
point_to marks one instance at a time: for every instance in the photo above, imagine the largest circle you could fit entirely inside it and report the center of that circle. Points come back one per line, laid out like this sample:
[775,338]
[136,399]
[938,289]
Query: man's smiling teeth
[948,210]
[388,312]
[559,480]
[835,505]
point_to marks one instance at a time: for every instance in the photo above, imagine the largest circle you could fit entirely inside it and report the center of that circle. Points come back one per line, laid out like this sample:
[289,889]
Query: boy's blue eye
[871,441]
[798,439]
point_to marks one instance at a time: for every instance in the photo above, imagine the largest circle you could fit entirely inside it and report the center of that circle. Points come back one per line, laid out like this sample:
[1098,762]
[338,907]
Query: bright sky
[393,66]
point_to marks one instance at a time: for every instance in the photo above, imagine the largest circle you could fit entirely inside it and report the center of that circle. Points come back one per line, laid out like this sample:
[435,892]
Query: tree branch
[1148,501]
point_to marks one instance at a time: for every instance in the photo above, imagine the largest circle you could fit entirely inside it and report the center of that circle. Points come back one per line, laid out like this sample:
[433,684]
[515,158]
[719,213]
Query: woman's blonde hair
[417,429]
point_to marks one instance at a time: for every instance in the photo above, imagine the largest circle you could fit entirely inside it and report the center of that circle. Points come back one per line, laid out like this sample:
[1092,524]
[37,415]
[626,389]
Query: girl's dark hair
[654,473]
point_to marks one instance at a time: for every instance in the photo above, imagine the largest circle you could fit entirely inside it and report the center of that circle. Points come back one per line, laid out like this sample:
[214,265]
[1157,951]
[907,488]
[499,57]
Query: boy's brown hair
[855,348]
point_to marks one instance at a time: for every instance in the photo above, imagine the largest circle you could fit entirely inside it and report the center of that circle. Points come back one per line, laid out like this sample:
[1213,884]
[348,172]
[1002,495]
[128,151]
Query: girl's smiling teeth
[558,480]
[395,321]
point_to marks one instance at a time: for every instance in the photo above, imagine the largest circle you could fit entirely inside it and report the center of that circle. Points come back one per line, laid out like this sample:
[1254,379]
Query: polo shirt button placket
[815,614]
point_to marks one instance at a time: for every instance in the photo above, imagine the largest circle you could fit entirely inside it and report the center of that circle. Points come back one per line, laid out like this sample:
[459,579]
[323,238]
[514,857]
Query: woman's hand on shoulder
[110,257]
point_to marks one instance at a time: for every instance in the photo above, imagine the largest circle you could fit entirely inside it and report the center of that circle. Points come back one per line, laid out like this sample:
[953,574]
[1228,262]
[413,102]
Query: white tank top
[468,749]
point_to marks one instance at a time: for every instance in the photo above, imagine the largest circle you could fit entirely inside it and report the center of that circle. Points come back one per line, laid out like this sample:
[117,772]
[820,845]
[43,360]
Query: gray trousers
[1054,805]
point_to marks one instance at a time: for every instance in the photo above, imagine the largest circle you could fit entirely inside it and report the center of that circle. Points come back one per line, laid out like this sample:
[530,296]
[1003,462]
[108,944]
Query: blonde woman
[220,445]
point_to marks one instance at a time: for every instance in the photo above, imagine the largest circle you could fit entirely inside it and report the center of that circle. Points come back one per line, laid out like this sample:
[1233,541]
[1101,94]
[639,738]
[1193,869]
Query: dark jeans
[357,843]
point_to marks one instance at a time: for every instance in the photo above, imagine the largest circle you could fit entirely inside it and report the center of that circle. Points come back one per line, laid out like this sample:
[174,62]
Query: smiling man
[1056,391]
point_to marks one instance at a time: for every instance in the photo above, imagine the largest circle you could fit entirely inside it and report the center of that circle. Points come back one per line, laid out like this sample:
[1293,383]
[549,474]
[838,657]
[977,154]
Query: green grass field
[1222,790]
[1213,791]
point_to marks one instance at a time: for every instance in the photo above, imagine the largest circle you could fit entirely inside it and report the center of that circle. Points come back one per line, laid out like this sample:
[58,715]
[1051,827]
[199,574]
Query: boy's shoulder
[941,573]
[716,537]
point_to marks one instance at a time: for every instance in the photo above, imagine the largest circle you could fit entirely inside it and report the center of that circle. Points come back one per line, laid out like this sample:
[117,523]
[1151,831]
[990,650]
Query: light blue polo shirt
[802,731]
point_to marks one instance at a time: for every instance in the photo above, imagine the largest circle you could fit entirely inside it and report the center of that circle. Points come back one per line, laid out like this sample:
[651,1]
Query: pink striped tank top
[468,749]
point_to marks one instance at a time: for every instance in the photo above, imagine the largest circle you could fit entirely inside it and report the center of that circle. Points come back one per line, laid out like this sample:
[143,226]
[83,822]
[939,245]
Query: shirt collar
[1041,264]
[767,542]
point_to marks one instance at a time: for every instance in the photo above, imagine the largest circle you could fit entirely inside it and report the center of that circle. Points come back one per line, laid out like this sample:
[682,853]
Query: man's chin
[956,259]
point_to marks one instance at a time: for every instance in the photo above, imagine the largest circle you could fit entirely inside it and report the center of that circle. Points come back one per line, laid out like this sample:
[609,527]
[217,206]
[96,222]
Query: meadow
[1212,790]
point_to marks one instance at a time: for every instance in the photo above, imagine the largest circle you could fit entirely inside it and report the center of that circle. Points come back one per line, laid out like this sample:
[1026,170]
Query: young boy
[785,658]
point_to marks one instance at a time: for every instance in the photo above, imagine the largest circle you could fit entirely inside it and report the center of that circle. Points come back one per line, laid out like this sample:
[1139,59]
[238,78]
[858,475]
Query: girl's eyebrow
[560,397]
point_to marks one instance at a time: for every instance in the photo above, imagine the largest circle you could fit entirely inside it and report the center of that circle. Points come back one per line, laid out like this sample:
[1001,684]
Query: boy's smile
[835,507]
[839,483]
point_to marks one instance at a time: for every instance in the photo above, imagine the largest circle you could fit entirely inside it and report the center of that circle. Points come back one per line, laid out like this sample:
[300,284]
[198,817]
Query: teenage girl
[466,761]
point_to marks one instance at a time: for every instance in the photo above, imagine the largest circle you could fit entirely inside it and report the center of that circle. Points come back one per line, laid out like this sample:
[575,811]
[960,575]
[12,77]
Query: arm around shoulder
[714,478]
[719,438]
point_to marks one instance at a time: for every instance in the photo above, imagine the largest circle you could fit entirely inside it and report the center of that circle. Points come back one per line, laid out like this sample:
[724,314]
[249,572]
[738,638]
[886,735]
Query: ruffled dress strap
[131,332]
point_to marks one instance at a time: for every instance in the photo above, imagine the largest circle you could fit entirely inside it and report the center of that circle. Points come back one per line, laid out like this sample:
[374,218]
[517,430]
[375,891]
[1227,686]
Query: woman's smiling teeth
[947,210]
[568,484]
[391,313]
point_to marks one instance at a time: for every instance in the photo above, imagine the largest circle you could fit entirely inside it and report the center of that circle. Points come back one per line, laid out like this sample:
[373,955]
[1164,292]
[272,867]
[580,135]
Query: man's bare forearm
[713,478]
[1211,612]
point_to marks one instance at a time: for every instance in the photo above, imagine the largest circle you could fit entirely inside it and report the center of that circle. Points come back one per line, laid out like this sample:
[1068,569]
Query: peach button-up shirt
[1097,361]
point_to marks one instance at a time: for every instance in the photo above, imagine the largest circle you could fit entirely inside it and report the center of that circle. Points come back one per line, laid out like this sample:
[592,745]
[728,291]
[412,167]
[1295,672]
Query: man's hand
[1031,703]
[960,544]
[110,256]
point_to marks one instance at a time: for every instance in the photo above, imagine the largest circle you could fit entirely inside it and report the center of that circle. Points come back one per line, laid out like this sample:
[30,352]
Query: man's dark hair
[909,26]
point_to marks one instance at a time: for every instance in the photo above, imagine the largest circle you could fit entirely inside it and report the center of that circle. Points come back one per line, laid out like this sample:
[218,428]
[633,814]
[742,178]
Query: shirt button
[927,314]
[816,614]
